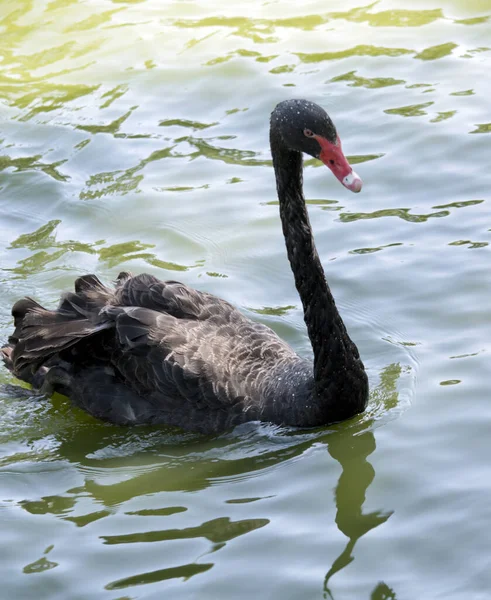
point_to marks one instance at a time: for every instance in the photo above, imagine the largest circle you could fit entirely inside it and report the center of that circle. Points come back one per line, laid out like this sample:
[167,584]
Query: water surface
[134,136]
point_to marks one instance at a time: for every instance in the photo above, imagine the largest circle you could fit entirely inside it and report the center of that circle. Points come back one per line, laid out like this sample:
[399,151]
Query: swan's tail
[44,339]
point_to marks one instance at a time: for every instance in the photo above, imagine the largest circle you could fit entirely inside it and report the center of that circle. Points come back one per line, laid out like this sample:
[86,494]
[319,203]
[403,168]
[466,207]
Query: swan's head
[306,127]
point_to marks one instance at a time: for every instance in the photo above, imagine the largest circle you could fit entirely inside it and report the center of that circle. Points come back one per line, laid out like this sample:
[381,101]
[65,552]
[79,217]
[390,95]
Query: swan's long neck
[336,358]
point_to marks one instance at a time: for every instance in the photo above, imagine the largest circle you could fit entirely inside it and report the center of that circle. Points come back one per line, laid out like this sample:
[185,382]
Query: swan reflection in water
[98,451]
[352,451]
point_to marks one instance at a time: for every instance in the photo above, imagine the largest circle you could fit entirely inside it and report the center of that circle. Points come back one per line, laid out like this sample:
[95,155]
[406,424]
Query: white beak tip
[353,182]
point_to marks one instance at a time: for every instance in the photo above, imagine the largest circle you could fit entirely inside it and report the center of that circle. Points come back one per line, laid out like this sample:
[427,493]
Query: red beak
[332,156]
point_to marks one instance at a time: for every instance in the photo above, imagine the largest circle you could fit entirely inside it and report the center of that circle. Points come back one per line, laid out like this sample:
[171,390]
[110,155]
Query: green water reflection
[113,255]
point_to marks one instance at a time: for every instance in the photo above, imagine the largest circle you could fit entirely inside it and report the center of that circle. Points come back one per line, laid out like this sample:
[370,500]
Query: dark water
[134,135]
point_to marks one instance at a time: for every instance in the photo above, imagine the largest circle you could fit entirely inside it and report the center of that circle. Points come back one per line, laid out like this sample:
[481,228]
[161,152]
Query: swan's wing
[195,363]
[172,297]
[39,333]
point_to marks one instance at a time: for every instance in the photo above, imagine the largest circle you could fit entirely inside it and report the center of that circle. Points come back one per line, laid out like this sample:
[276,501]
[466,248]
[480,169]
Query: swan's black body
[160,352]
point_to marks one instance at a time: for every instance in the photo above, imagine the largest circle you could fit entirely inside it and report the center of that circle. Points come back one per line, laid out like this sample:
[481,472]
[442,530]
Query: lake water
[134,135]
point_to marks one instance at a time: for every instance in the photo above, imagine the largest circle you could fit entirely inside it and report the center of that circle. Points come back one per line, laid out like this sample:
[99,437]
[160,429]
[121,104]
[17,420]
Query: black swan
[149,351]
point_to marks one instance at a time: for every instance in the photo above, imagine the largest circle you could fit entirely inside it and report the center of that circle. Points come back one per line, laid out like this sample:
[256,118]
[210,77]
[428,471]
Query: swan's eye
[308,133]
